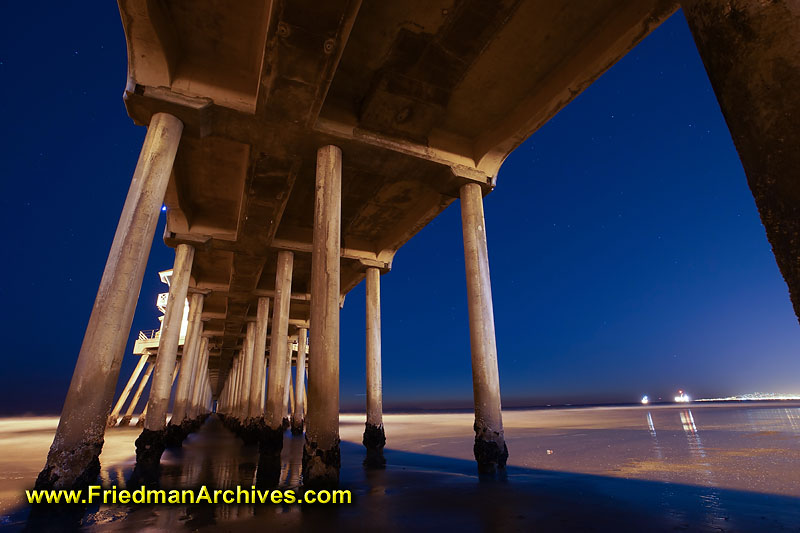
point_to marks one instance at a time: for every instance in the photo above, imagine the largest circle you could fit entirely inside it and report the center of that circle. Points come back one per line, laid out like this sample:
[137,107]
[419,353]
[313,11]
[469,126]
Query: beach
[726,466]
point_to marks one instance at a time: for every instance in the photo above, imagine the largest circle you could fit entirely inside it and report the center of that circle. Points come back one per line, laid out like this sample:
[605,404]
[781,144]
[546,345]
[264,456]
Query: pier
[298,145]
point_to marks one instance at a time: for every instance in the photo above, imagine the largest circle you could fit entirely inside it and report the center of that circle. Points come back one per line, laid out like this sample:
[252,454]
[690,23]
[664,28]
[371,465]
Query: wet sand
[738,446]
[710,467]
[24,443]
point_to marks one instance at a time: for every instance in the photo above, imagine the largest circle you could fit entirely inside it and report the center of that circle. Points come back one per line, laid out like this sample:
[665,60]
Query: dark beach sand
[730,467]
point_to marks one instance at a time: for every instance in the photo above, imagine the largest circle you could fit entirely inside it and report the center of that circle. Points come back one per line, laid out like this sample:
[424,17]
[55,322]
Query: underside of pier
[421,97]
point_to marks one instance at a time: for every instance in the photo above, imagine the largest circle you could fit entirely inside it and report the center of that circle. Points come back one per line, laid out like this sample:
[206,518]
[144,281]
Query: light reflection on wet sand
[746,447]
[715,448]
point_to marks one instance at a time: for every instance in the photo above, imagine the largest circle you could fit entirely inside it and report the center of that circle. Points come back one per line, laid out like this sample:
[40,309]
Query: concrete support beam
[222,289]
[237,391]
[287,390]
[231,387]
[175,373]
[346,129]
[197,392]
[243,405]
[169,339]
[290,390]
[73,457]
[208,403]
[751,51]
[364,256]
[321,454]
[276,385]
[237,383]
[260,361]
[296,322]
[189,360]
[143,417]
[151,443]
[223,395]
[195,388]
[298,413]
[205,388]
[374,436]
[207,396]
[490,447]
[126,419]
[263,405]
[112,418]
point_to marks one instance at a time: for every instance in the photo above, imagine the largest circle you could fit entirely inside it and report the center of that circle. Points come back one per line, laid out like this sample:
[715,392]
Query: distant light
[756,396]
[163,208]
[682,397]
[645,400]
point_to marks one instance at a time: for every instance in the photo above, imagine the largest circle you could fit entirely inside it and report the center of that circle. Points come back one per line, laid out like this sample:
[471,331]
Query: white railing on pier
[149,334]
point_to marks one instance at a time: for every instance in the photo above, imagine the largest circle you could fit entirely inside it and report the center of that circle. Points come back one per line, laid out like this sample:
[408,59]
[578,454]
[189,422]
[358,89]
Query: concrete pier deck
[420,97]
[298,145]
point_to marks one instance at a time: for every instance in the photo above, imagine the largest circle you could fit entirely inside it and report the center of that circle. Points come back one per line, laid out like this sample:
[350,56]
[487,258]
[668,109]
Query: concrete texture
[260,363]
[298,413]
[490,447]
[420,98]
[191,354]
[278,356]
[416,104]
[163,375]
[72,460]
[751,51]
[198,387]
[321,455]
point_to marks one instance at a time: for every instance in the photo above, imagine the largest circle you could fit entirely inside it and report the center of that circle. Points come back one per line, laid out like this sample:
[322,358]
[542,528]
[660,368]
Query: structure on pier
[299,144]
[145,348]
[147,341]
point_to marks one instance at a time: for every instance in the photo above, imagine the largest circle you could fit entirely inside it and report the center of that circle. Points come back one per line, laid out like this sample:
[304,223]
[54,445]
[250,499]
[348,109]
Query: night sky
[626,252]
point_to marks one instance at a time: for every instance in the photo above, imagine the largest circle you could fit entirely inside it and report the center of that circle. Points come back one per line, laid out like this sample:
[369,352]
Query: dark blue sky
[627,255]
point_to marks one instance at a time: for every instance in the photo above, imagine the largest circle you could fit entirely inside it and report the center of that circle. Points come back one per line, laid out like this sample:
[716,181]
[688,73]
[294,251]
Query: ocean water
[715,467]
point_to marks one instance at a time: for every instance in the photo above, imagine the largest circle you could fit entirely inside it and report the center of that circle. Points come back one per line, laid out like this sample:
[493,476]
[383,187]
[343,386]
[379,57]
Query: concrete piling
[260,362]
[757,93]
[177,430]
[272,441]
[73,457]
[151,443]
[374,437]
[298,413]
[490,447]
[321,455]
